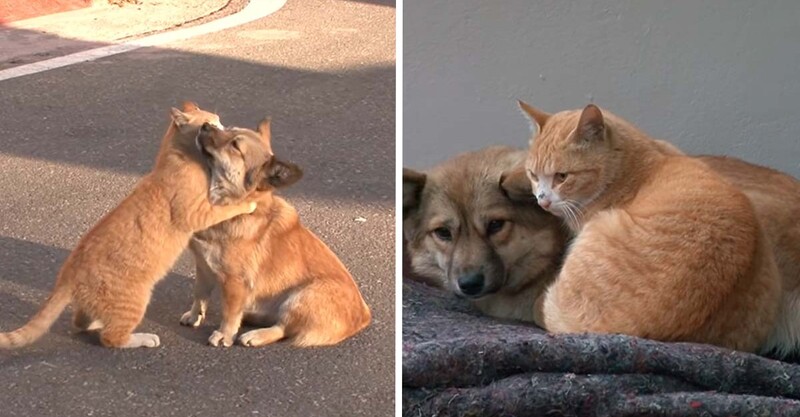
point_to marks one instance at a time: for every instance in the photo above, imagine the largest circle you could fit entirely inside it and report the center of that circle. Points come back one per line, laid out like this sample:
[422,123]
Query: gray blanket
[458,363]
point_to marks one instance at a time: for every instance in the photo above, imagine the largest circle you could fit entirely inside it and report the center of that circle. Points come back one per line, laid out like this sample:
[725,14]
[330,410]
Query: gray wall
[720,77]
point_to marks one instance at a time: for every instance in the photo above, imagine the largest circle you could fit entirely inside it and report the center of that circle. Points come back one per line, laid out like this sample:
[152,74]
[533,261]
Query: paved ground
[76,139]
[58,34]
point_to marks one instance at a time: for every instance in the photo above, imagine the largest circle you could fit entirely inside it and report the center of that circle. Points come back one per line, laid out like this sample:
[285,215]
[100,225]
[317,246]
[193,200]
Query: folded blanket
[459,363]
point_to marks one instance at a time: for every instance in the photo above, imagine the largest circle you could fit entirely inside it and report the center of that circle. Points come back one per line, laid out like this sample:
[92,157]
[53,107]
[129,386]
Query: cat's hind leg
[82,322]
[119,326]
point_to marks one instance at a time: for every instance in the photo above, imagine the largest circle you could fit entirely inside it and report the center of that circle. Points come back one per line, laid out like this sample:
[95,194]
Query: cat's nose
[545,203]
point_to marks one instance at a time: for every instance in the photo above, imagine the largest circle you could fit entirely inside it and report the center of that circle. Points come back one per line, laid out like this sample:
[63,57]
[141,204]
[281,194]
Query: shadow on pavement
[339,126]
[75,139]
[31,270]
[20,46]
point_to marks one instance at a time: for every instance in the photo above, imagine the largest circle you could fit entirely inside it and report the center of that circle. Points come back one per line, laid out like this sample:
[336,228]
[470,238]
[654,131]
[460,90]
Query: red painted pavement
[11,10]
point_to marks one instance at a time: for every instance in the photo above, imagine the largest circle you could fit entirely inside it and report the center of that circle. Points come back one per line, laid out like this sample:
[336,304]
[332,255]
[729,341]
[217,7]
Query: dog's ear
[413,184]
[179,118]
[265,131]
[190,106]
[279,174]
[516,185]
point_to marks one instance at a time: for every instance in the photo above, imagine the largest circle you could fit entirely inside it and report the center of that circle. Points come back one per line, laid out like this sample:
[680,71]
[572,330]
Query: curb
[255,9]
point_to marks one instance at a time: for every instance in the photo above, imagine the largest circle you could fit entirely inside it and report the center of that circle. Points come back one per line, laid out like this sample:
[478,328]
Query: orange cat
[665,248]
[110,274]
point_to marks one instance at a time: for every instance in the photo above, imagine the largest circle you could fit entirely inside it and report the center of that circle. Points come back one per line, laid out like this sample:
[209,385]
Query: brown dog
[274,273]
[468,230]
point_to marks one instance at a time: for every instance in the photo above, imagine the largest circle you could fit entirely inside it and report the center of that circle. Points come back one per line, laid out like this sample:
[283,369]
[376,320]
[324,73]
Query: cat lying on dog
[455,193]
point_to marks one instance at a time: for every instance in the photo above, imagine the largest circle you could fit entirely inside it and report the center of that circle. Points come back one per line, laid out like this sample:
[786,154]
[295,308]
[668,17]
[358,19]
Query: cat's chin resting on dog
[665,247]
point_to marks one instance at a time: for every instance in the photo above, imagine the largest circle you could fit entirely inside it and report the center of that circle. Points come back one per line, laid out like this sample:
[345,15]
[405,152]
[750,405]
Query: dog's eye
[494,226]
[443,233]
[559,177]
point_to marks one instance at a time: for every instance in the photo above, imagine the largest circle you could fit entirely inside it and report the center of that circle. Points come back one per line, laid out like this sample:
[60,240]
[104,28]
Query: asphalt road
[75,140]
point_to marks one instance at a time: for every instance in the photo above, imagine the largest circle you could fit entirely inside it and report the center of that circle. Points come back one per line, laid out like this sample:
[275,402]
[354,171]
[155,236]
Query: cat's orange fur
[109,276]
[665,248]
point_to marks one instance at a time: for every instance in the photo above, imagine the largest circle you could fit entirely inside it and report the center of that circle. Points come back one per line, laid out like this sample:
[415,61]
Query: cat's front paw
[252,207]
[219,339]
[192,319]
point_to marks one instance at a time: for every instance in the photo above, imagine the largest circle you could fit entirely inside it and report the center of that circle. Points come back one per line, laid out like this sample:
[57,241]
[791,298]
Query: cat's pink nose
[545,203]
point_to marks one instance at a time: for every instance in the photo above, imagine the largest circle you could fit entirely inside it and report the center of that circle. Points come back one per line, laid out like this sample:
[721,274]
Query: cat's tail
[41,322]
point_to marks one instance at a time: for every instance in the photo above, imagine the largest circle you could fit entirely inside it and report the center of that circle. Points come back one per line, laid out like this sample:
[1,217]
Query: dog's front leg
[204,284]
[234,297]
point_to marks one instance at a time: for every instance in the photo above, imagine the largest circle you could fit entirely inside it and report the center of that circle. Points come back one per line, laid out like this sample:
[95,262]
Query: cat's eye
[559,177]
[443,234]
[494,226]
[533,176]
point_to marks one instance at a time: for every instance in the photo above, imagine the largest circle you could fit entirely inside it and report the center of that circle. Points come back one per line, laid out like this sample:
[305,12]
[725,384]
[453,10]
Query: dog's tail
[41,322]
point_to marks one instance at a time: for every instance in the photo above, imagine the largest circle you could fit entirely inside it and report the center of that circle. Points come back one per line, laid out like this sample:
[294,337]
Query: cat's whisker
[578,208]
[576,213]
[570,214]
[569,211]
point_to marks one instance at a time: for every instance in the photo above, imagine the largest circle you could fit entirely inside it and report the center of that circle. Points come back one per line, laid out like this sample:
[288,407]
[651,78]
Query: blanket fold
[457,362]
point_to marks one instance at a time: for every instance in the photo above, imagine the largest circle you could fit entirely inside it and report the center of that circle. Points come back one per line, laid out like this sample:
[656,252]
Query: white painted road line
[254,10]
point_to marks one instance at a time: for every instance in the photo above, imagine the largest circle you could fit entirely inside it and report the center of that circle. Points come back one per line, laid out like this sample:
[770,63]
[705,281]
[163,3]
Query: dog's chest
[210,252]
[221,248]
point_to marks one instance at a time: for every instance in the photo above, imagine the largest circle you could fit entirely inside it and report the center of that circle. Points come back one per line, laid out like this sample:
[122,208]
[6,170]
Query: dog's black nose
[471,284]
[206,127]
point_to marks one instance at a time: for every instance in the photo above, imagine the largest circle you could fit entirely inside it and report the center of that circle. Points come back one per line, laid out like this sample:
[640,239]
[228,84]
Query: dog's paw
[252,207]
[249,338]
[192,319]
[219,339]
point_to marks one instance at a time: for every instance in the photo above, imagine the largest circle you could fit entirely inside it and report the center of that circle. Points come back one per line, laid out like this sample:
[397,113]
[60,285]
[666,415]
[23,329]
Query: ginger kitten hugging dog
[665,248]
[274,273]
[109,276]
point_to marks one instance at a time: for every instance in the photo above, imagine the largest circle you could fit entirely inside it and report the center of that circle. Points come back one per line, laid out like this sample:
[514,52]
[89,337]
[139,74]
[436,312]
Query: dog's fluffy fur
[465,228]
[274,273]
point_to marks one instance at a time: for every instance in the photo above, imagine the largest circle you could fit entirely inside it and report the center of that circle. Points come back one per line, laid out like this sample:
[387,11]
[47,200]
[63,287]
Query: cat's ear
[190,106]
[535,116]
[178,117]
[591,126]
[413,184]
[516,185]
